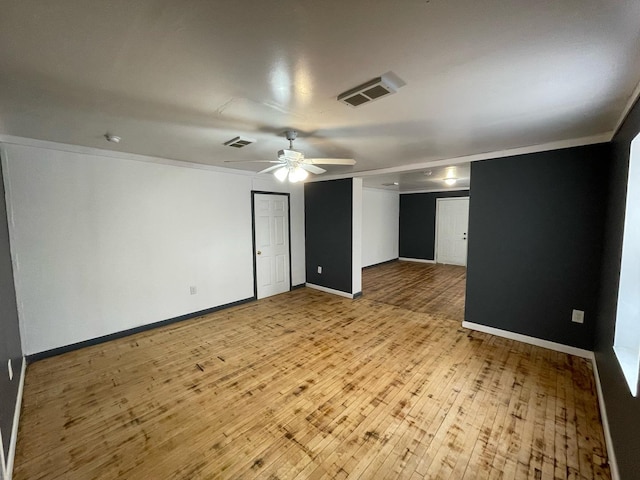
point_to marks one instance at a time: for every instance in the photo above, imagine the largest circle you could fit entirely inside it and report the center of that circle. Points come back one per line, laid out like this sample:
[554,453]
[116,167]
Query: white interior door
[271,220]
[452,220]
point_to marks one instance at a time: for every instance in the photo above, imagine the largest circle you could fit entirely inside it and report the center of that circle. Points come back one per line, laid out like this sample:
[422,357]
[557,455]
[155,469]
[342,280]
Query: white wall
[103,244]
[380,226]
[356,239]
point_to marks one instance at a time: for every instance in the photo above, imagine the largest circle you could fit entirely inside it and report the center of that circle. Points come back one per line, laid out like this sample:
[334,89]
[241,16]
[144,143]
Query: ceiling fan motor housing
[291,135]
[290,155]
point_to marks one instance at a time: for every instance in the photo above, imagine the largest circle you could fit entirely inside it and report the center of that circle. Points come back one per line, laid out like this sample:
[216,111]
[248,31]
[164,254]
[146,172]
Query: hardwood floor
[311,385]
[419,287]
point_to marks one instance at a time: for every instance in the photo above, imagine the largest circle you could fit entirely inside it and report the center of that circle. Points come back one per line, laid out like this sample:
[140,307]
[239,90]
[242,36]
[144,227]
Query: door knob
[259,252]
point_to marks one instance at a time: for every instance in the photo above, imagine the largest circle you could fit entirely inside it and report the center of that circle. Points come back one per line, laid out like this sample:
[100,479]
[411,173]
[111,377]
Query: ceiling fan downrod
[291,135]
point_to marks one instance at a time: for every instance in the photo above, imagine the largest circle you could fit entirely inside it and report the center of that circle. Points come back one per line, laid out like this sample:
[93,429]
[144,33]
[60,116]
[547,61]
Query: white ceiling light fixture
[112,138]
[450,177]
[281,173]
[295,174]
[450,181]
[298,174]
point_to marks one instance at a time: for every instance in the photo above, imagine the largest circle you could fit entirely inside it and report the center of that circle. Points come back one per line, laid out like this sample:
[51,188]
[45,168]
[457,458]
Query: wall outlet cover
[577,316]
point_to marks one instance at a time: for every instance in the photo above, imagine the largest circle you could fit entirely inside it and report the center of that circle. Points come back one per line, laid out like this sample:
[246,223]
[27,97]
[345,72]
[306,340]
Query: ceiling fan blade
[331,161]
[271,169]
[312,168]
[251,161]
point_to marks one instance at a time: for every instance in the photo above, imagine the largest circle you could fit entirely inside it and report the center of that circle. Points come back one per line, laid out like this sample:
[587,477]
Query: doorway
[271,241]
[452,220]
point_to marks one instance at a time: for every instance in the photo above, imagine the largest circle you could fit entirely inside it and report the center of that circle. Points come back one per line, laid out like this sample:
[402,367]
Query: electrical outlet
[10,369]
[577,316]
[319,269]
[193,289]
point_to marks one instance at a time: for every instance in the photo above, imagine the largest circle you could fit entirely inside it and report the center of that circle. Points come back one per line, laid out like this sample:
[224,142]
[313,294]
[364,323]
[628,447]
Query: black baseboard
[381,263]
[132,331]
[358,294]
[295,287]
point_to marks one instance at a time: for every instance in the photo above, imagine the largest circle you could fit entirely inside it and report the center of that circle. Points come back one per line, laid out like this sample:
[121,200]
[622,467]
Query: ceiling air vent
[239,142]
[368,92]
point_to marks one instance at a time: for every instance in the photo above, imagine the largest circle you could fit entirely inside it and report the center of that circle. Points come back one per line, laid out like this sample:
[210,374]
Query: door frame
[435,240]
[253,234]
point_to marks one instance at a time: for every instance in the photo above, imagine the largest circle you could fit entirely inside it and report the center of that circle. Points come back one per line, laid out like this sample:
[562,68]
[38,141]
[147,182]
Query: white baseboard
[16,419]
[558,347]
[329,290]
[416,260]
[613,464]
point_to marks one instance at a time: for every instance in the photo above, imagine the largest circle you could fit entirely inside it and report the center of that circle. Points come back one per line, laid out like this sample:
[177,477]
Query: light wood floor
[310,385]
[419,287]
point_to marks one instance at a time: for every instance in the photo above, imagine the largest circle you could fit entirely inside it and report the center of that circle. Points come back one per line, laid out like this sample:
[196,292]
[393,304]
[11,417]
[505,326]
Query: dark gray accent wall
[9,331]
[623,410]
[536,227]
[418,223]
[328,218]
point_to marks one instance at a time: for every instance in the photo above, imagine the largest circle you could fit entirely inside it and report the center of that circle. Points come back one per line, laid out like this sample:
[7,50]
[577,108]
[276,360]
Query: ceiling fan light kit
[298,174]
[295,174]
[281,173]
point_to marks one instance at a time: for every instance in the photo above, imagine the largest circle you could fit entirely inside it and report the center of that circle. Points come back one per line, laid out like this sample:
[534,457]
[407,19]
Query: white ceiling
[425,180]
[178,79]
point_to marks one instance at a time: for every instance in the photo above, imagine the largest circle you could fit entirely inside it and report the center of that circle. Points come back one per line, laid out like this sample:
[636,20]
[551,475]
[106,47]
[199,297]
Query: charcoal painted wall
[418,223]
[328,214]
[9,331]
[623,410]
[536,227]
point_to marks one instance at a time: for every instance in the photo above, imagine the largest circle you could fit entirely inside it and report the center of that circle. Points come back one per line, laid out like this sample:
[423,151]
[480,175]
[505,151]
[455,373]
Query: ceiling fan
[293,164]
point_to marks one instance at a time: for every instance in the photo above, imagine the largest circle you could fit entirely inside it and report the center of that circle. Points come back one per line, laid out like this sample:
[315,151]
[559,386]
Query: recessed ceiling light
[112,138]
[428,173]
[450,181]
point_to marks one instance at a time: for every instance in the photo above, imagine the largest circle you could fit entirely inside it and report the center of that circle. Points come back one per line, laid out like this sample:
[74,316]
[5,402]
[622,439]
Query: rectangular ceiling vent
[239,142]
[368,92]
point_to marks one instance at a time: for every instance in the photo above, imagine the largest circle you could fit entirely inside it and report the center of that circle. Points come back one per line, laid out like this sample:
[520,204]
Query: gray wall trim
[132,331]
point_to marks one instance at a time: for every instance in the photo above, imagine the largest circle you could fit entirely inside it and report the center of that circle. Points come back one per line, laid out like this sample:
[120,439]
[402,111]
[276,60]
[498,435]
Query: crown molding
[67,147]
[574,142]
